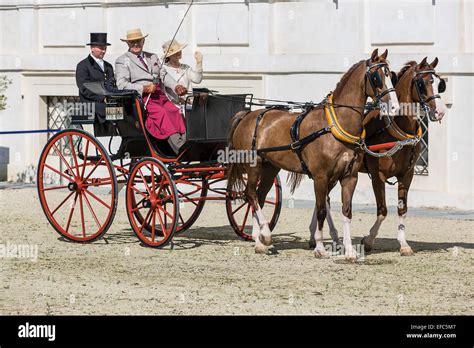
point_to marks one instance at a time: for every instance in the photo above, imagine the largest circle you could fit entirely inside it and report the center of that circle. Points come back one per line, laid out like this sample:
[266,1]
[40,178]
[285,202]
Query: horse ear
[384,55]
[423,62]
[434,63]
[374,55]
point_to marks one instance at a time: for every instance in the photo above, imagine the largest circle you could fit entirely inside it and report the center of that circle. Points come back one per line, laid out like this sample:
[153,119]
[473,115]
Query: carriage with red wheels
[79,180]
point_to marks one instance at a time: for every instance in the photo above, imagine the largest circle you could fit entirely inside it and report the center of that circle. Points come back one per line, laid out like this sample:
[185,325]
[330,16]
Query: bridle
[376,82]
[422,91]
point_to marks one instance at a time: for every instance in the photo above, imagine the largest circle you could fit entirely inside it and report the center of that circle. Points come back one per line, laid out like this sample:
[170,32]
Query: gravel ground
[211,271]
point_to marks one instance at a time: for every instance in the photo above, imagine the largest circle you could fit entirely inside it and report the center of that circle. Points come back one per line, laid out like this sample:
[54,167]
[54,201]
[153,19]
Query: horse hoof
[321,254]
[406,251]
[351,259]
[266,240]
[261,249]
[312,244]
[367,247]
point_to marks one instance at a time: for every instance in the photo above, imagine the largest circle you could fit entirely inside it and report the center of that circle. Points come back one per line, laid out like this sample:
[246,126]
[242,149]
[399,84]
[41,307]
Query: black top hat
[99,39]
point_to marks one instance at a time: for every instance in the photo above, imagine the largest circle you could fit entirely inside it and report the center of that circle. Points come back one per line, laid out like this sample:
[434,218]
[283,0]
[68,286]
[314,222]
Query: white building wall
[274,49]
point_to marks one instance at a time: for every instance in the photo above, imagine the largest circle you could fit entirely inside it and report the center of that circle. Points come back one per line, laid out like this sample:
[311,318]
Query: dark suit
[89,71]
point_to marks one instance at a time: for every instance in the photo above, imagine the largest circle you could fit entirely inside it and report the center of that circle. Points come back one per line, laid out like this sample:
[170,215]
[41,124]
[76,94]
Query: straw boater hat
[175,48]
[134,34]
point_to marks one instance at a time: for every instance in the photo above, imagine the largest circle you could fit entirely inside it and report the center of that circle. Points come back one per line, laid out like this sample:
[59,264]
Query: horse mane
[345,77]
[405,68]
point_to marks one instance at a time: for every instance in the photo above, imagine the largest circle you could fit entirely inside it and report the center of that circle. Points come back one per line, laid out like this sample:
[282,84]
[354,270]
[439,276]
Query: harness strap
[336,129]
[395,131]
[259,118]
[295,137]
[297,144]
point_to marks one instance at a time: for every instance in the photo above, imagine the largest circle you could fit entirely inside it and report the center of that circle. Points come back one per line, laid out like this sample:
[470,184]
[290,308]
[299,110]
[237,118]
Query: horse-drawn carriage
[79,180]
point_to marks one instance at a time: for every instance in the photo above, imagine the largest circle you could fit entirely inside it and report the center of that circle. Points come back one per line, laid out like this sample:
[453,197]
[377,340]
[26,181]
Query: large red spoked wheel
[152,203]
[240,212]
[77,185]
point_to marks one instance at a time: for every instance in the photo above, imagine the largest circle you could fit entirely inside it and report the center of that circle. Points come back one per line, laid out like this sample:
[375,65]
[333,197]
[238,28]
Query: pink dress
[164,118]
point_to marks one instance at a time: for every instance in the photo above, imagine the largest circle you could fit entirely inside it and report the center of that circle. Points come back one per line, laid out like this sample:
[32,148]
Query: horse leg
[332,228]
[378,186]
[321,193]
[348,185]
[260,230]
[403,187]
[269,172]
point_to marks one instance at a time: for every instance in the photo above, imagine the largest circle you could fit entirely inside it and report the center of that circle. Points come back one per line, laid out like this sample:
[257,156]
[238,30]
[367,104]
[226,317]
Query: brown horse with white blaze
[327,159]
[417,83]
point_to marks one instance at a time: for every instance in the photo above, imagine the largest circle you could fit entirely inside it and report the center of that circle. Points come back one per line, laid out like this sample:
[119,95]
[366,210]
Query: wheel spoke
[165,211]
[245,218]
[61,204]
[139,192]
[74,155]
[144,220]
[82,215]
[144,181]
[188,199]
[58,172]
[64,160]
[163,226]
[54,188]
[270,202]
[236,210]
[101,183]
[85,159]
[70,214]
[153,221]
[92,211]
[152,178]
[93,169]
[97,198]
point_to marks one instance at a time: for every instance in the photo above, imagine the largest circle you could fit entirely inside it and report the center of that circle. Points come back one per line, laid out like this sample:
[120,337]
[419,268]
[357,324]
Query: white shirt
[99,61]
[184,75]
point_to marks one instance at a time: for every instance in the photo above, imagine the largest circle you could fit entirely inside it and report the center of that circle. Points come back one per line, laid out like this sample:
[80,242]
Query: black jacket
[89,71]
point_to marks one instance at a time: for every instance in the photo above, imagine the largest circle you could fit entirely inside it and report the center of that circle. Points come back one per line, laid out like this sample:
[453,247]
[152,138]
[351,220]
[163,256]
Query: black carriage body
[207,124]
[209,117]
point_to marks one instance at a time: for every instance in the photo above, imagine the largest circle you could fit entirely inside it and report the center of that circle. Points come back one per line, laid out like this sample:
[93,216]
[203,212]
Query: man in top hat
[143,72]
[95,69]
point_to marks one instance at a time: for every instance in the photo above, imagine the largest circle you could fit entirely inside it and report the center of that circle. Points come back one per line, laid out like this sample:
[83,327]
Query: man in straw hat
[142,71]
[95,69]
[179,72]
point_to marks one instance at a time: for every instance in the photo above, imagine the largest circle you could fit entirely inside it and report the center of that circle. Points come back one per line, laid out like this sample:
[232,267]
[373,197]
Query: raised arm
[195,76]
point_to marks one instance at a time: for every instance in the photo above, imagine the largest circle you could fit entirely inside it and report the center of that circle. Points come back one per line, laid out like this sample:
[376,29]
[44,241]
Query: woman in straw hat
[177,72]
[143,72]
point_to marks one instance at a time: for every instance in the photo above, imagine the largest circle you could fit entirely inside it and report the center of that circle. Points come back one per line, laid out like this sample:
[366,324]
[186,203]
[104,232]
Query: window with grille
[58,118]
[421,166]
[56,114]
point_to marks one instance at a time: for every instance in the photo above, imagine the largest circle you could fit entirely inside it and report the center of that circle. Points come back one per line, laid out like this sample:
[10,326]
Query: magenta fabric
[164,118]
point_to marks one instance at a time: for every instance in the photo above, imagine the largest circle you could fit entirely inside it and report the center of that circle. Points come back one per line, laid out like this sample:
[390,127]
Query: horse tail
[235,171]
[294,180]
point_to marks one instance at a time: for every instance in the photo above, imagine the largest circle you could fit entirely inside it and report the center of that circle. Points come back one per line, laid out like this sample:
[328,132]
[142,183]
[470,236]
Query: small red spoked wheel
[152,203]
[77,185]
[239,211]
[192,194]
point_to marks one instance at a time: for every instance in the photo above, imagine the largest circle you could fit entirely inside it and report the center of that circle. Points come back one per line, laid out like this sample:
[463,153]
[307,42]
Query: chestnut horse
[417,83]
[327,159]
